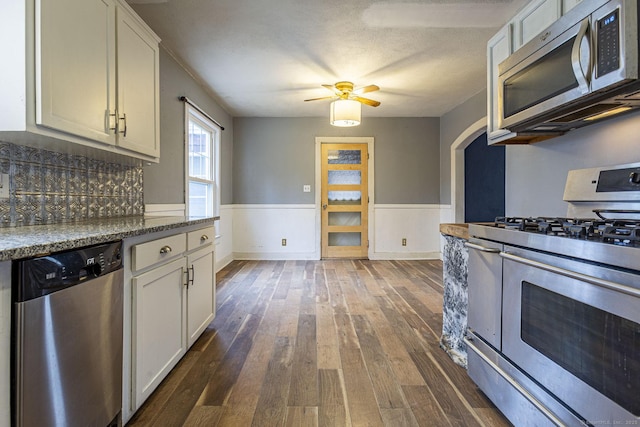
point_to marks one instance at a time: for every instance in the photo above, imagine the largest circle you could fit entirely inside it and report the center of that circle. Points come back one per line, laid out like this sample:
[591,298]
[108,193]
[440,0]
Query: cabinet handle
[115,121]
[124,118]
[204,238]
[191,275]
[165,249]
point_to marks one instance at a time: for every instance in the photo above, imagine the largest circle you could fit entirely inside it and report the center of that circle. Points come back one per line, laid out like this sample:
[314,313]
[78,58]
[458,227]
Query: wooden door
[345,201]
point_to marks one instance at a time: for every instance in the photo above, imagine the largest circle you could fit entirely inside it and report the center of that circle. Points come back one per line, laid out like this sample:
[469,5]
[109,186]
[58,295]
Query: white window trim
[191,111]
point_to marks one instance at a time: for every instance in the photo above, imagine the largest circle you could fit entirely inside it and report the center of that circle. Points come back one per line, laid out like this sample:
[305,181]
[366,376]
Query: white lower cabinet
[172,282]
[159,315]
[200,295]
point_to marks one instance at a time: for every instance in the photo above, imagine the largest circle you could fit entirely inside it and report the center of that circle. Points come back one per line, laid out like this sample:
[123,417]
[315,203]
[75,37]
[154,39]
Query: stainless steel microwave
[582,68]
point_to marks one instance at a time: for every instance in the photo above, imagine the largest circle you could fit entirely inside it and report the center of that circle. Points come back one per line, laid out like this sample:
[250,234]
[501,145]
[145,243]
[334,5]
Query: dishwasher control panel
[42,275]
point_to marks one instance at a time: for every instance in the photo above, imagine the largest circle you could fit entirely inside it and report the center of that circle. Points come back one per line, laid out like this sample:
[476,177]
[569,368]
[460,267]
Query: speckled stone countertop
[28,241]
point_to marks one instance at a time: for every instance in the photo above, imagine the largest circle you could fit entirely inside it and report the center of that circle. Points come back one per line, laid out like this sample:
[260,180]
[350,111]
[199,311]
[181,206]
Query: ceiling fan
[345,90]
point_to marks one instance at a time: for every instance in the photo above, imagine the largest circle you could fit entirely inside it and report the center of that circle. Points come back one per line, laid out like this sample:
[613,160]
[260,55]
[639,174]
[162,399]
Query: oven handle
[535,402]
[482,248]
[573,275]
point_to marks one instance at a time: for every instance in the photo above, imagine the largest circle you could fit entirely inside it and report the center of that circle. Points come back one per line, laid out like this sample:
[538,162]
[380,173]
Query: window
[203,165]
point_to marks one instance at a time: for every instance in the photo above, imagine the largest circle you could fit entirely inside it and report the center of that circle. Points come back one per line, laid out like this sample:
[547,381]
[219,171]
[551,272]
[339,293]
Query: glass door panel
[345,218]
[344,239]
[344,157]
[345,177]
[344,198]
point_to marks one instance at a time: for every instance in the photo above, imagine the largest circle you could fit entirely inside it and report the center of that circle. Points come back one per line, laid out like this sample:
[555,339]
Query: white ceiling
[262,58]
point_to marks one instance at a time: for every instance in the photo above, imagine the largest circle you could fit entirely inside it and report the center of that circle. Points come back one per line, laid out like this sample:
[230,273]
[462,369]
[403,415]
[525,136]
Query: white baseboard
[275,256]
[383,256]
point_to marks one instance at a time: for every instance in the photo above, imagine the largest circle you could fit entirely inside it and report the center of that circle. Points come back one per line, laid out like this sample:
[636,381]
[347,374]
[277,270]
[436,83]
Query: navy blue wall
[484,187]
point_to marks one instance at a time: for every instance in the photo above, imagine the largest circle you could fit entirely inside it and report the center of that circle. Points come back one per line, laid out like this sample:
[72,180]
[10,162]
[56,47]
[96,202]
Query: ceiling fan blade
[333,89]
[319,99]
[365,89]
[366,101]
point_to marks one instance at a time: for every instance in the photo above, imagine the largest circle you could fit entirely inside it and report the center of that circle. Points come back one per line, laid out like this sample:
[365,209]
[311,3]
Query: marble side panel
[455,299]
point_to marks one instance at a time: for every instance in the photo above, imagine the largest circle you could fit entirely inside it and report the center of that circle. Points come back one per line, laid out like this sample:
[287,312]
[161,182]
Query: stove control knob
[634,178]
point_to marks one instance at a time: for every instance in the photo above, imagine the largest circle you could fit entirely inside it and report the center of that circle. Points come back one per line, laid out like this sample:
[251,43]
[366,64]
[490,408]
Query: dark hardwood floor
[322,343]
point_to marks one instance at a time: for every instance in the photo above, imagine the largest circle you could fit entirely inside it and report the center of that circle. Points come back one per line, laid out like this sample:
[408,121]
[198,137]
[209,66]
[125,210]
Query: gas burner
[617,231]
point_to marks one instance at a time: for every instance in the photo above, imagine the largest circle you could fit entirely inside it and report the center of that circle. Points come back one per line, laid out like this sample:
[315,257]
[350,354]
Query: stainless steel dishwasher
[67,338]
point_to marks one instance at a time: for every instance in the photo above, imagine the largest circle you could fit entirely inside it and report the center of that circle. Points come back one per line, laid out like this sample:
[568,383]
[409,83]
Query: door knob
[324,206]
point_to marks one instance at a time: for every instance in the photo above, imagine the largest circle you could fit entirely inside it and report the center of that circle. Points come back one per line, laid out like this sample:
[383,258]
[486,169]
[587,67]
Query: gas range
[554,306]
[602,223]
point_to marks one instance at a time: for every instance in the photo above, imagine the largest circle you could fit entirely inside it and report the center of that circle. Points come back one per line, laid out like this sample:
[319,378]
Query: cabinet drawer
[150,253]
[200,238]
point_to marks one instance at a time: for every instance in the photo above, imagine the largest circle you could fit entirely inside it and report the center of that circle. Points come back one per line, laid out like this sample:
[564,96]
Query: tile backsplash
[48,187]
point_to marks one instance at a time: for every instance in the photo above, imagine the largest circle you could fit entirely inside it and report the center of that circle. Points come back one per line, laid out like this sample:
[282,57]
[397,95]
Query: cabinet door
[567,5]
[159,315]
[201,295]
[138,82]
[498,49]
[75,67]
[534,18]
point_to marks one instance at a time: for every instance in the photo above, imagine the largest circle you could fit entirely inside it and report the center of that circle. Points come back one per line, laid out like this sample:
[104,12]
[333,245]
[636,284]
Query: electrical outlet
[404,241]
[4,186]
[306,188]
[284,242]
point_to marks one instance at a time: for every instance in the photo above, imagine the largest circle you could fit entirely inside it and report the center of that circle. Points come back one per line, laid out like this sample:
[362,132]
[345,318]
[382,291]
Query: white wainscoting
[419,224]
[224,237]
[447,216]
[258,231]
[255,232]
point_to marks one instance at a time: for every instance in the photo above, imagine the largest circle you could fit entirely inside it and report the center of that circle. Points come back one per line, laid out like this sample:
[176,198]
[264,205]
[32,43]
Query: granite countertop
[28,241]
[455,230]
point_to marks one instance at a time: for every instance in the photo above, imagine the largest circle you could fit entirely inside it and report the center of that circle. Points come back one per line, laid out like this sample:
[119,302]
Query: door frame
[371,185]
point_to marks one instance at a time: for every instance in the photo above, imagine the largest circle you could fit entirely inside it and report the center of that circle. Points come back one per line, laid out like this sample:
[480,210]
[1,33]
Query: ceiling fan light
[345,112]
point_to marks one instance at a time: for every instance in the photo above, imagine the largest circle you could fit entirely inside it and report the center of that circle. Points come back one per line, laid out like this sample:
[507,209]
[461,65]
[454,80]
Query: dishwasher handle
[482,248]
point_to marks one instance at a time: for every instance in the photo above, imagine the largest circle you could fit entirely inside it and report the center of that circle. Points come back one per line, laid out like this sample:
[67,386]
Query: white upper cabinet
[138,82]
[567,5]
[90,77]
[498,49]
[76,67]
[534,18]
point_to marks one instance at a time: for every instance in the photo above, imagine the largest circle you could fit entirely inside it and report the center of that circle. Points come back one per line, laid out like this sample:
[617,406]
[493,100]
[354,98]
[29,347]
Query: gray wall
[275,157]
[164,182]
[536,173]
[452,124]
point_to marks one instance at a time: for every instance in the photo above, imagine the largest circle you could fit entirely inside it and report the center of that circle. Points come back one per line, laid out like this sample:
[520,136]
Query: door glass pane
[600,348]
[344,157]
[344,218]
[344,177]
[345,197]
[542,80]
[344,239]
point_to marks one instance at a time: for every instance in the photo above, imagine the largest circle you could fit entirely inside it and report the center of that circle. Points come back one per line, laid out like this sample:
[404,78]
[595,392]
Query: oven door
[575,329]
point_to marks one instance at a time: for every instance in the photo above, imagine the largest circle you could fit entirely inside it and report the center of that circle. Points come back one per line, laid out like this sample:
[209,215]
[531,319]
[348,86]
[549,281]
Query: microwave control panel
[608,42]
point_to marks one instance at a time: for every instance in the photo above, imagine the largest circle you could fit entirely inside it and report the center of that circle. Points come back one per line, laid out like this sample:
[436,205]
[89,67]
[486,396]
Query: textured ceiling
[262,58]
